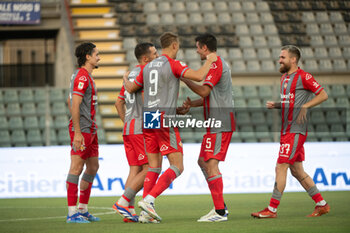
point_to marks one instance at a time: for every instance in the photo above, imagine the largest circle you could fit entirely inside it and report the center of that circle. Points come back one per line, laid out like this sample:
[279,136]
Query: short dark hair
[293,50]
[167,38]
[82,50]
[142,49]
[207,39]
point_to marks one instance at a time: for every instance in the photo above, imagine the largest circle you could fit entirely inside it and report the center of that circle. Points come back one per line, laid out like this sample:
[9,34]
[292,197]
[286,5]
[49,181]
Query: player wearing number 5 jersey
[216,93]
[129,107]
[160,80]
[297,89]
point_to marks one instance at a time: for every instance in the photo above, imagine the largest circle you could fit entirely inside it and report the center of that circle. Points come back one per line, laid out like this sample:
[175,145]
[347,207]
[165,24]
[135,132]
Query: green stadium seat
[26,95]
[262,133]
[337,130]
[18,138]
[254,103]
[40,96]
[239,103]
[42,122]
[13,109]
[34,137]
[243,118]
[247,133]
[57,95]
[187,135]
[2,110]
[60,122]
[10,96]
[265,92]
[322,131]
[3,123]
[342,102]
[41,108]
[53,137]
[31,122]
[63,137]
[258,117]
[237,92]
[317,117]
[5,139]
[1,97]
[15,123]
[236,137]
[59,108]
[338,91]
[332,117]
[250,92]
[28,109]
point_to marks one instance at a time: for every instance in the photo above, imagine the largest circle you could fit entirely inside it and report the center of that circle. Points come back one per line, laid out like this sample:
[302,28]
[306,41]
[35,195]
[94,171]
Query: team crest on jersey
[183,63]
[213,66]
[163,148]
[80,85]
[141,157]
[308,76]
[83,78]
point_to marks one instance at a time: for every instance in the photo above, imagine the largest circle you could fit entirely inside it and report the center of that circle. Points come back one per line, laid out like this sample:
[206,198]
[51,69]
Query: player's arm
[272,105]
[78,139]
[69,107]
[199,75]
[130,87]
[201,90]
[318,99]
[120,106]
[187,104]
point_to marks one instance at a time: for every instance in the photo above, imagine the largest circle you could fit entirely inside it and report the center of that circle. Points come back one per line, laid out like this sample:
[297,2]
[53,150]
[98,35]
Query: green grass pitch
[180,214]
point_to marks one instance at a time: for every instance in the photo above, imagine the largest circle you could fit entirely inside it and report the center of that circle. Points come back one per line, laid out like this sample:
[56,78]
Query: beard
[285,68]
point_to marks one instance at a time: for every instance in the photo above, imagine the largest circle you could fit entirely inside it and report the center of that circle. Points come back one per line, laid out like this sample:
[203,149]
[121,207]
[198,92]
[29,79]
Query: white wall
[249,167]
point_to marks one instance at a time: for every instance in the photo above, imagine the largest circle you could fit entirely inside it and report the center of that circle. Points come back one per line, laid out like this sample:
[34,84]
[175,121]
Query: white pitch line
[48,207]
[55,217]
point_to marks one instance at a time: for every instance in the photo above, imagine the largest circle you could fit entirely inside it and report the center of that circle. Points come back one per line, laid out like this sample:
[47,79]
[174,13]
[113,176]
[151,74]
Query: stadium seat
[192,6]
[60,122]
[340,29]
[245,42]
[267,66]
[5,139]
[322,17]
[238,67]
[238,17]
[194,18]
[40,95]
[18,138]
[337,130]
[34,137]
[13,109]
[181,18]
[335,52]
[59,108]
[274,41]
[31,122]
[344,40]
[167,19]
[243,118]
[3,123]
[339,65]
[178,7]
[63,137]
[308,17]
[249,54]
[234,6]
[236,138]
[262,6]
[210,18]
[206,6]
[242,30]
[164,6]
[248,6]
[252,18]
[43,122]
[152,19]
[26,95]
[28,109]
[325,65]
[253,66]
[149,7]
[247,133]
[311,65]
[266,18]
[338,91]
[326,29]
[235,54]
[262,133]
[321,52]
[220,6]
[264,53]
[2,110]
[10,96]
[224,18]
[270,29]
[52,139]
[260,42]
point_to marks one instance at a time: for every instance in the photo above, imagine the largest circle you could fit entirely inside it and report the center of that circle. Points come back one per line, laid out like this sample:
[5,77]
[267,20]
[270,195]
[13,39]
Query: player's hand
[187,103]
[270,104]
[182,110]
[301,119]
[78,142]
[212,57]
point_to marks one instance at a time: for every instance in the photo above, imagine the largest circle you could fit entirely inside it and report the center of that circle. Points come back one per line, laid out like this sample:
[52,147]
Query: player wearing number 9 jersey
[160,80]
[129,107]
[297,89]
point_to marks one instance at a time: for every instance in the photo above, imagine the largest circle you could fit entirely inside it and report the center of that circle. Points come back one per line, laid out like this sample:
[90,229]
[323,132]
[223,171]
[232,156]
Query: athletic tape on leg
[74,179]
[176,170]
[276,194]
[88,178]
[313,191]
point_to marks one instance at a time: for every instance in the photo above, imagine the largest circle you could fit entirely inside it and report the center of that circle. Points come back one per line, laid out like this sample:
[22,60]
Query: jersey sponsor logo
[308,76]
[151,120]
[163,148]
[80,85]
[315,84]
[286,156]
[141,157]
[133,74]
[213,66]
[83,78]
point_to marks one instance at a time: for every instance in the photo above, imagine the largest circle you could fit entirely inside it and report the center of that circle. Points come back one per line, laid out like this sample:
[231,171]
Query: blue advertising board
[20,12]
